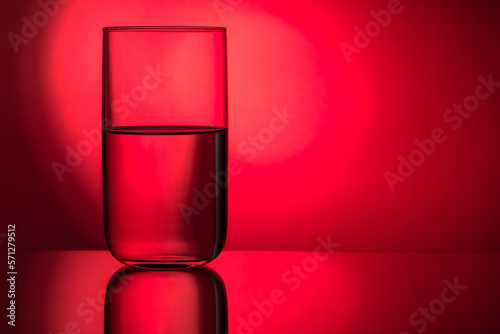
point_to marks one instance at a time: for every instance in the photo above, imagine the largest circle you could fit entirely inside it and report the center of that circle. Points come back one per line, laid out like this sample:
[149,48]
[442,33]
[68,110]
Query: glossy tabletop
[243,292]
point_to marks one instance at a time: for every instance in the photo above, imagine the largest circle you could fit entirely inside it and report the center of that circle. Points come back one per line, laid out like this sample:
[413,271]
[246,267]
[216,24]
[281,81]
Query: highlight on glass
[164,150]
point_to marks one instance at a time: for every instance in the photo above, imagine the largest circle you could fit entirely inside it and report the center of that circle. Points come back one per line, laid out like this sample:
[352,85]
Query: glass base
[164,262]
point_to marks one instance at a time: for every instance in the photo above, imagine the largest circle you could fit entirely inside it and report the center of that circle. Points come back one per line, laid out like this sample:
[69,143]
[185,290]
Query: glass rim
[163,28]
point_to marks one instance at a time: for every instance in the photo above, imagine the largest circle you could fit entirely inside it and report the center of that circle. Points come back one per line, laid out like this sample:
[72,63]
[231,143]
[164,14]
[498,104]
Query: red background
[324,173]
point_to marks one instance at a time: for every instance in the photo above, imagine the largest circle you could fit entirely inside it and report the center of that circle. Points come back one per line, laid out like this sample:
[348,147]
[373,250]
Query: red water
[165,194]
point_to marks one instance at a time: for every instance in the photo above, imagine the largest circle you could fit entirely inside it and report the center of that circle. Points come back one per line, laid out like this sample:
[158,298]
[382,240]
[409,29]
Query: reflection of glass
[165,144]
[190,301]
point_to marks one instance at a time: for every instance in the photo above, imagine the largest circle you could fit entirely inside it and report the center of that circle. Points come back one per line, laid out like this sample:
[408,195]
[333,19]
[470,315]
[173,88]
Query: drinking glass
[164,145]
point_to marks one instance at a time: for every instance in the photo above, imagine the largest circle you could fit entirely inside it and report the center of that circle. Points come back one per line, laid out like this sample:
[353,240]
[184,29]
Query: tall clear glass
[165,144]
